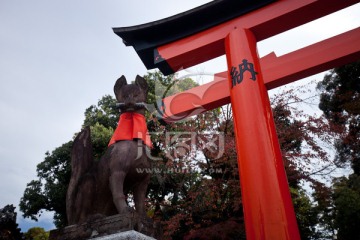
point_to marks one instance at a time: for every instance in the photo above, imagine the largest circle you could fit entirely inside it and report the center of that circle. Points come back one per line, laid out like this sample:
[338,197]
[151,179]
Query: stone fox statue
[97,188]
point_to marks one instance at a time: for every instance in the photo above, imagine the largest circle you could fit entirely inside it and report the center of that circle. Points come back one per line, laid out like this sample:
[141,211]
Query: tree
[306,214]
[48,192]
[304,139]
[347,207]
[8,227]
[208,203]
[104,113]
[36,233]
[340,102]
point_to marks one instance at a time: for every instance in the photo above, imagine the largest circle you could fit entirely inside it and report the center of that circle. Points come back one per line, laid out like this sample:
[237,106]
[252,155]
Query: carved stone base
[107,226]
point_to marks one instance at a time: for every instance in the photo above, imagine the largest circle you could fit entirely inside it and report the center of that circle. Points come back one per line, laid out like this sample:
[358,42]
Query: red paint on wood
[268,209]
[277,71]
[264,22]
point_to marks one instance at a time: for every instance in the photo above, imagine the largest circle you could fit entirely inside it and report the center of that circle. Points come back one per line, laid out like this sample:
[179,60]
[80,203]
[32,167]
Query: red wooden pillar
[268,209]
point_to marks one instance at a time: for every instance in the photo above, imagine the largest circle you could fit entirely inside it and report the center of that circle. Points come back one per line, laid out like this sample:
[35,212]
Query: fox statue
[98,188]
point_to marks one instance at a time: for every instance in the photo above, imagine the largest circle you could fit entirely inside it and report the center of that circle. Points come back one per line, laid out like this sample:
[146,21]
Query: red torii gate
[233,28]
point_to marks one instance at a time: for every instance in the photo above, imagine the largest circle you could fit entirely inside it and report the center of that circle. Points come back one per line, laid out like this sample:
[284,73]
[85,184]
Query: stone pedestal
[128,235]
[119,226]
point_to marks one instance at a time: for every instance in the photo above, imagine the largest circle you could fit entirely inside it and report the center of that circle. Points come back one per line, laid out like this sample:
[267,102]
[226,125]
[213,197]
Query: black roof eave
[145,38]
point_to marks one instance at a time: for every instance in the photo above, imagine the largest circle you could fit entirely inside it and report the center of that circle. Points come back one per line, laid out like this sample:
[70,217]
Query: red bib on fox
[131,126]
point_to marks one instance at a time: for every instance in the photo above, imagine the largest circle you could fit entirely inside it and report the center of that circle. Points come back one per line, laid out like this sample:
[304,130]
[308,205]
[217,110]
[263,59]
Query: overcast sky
[59,57]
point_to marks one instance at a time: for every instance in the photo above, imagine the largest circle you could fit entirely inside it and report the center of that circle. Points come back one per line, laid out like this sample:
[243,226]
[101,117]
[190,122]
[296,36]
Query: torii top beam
[277,71]
[190,38]
[168,45]
[147,38]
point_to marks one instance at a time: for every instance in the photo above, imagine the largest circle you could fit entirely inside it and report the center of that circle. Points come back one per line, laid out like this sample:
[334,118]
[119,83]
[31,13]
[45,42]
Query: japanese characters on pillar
[267,204]
[237,74]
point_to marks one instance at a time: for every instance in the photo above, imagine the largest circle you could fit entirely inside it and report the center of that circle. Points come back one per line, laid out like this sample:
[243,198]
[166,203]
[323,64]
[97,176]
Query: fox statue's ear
[141,82]
[118,85]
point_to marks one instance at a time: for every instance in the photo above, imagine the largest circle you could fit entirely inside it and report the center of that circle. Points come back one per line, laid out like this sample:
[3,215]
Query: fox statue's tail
[81,163]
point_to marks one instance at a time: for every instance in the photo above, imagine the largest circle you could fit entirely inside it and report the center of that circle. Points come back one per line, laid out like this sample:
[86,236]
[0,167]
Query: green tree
[340,102]
[48,192]
[36,233]
[306,214]
[346,199]
[8,227]
[104,113]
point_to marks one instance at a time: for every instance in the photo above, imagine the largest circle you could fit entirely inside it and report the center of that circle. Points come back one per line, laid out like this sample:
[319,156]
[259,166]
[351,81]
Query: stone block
[102,227]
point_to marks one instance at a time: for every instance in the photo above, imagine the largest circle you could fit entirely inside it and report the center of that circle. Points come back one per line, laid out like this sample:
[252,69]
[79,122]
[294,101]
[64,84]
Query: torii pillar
[268,209]
[233,28]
